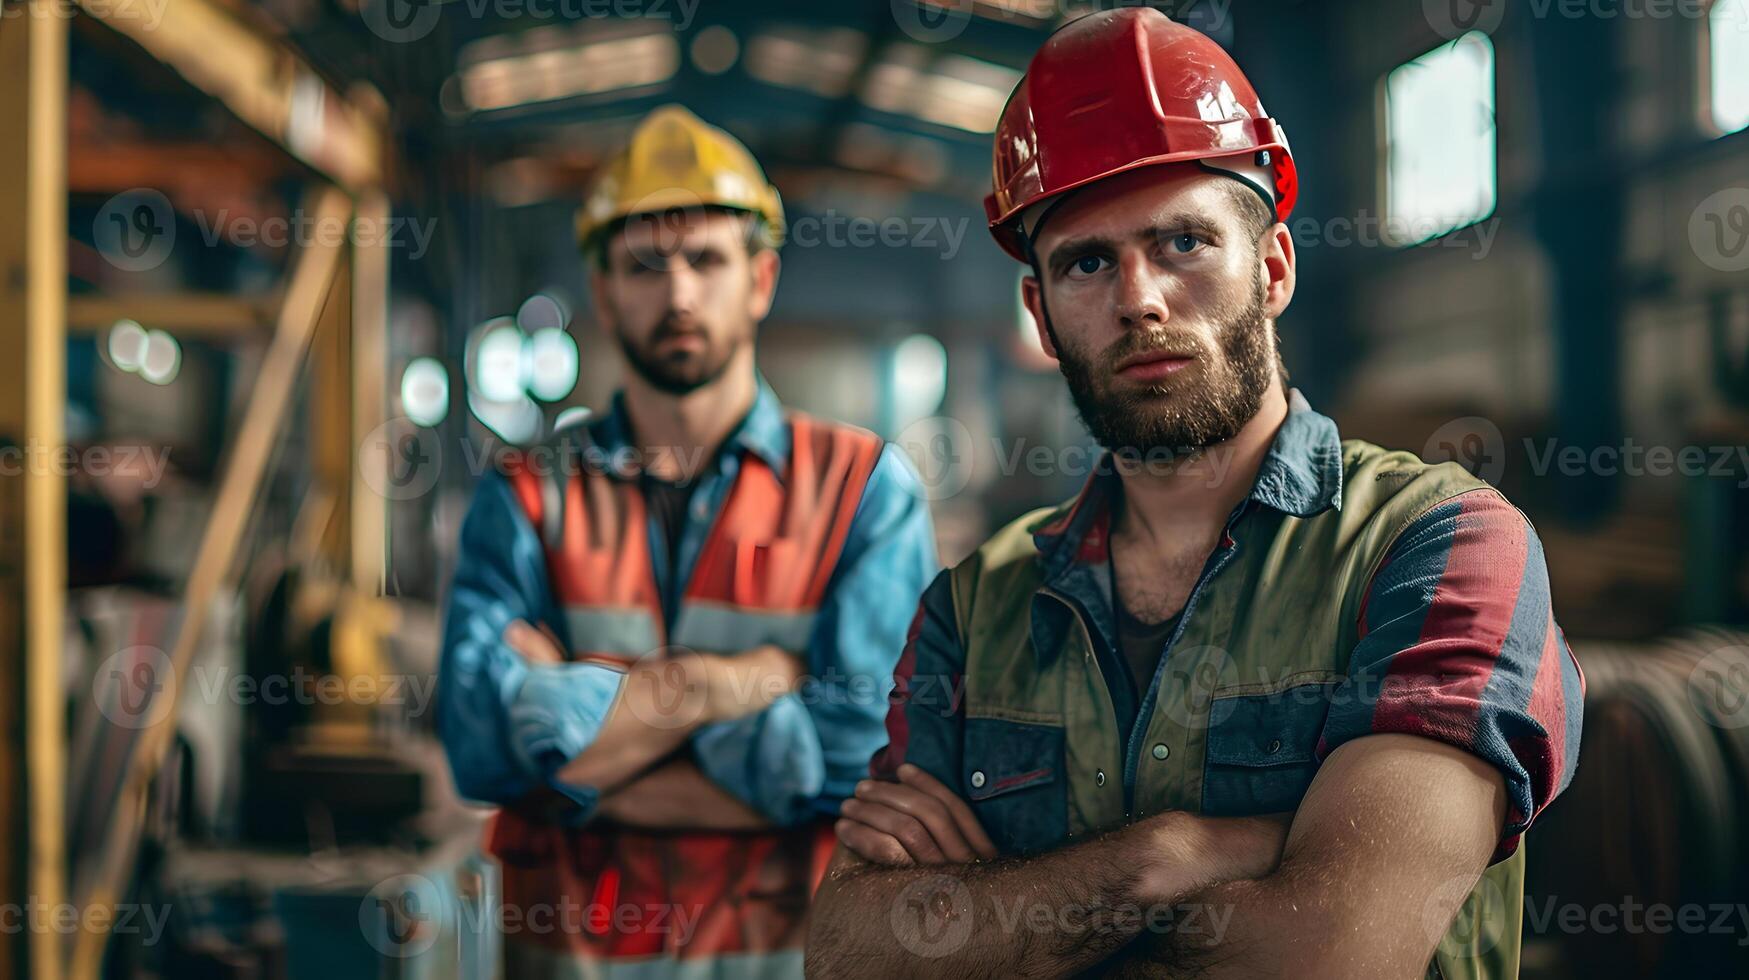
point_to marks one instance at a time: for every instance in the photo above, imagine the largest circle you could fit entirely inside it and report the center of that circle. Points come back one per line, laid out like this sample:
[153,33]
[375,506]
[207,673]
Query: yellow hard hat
[677,160]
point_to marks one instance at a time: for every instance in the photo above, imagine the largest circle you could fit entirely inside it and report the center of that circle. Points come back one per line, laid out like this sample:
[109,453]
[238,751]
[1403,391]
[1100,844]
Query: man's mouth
[681,340]
[1153,366]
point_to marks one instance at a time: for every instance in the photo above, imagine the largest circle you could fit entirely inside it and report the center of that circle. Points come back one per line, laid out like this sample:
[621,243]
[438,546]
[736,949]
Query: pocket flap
[1005,756]
[1268,729]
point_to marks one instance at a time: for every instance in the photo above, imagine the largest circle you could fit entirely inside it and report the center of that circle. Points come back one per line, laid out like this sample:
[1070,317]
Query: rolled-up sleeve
[508,726]
[1458,643]
[802,756]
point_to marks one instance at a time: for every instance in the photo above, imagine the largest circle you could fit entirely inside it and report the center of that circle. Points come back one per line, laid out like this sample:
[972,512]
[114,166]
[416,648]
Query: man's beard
[682,372]
[1201,413]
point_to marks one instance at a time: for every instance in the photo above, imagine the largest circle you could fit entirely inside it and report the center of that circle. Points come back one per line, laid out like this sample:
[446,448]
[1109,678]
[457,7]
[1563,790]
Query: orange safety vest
[759,577]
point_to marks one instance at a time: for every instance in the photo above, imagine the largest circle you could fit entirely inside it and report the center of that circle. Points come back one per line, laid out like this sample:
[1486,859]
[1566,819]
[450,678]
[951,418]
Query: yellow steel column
[33,507]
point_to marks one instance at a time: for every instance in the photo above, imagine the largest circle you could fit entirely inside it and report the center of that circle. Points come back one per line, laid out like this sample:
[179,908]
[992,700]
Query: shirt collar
[1300,476]
[763,431]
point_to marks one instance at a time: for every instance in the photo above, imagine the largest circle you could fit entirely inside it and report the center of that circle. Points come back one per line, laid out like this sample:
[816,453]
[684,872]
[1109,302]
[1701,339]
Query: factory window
[1439,141]
[1728,64]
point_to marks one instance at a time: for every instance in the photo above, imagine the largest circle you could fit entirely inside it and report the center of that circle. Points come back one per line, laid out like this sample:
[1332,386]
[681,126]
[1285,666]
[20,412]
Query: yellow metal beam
[370,331]
[264,82]
[312,281]
[190,316]
[33,515]
[330,422]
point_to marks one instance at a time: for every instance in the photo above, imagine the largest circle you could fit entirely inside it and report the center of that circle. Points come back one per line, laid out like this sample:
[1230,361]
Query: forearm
[676,795]
[1383,851]
[663,702]
[1051,914]
[1248,928]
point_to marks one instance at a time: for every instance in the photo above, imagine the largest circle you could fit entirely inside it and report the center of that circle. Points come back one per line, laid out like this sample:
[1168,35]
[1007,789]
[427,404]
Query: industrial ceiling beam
[264,82]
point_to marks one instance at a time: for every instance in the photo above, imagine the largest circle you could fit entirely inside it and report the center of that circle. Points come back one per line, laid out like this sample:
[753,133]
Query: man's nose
[1140,300]
[683,285]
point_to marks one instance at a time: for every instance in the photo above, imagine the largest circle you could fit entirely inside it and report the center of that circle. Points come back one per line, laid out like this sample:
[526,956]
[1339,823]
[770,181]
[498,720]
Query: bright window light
[1728,30]
[1439,141]
[919,378]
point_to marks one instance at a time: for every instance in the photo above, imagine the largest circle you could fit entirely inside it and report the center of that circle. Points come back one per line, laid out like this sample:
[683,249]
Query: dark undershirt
[1140,644]
[667,503]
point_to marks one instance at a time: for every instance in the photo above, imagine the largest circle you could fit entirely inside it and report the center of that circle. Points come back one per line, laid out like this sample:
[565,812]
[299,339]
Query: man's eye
[1186,243]
[1086,265]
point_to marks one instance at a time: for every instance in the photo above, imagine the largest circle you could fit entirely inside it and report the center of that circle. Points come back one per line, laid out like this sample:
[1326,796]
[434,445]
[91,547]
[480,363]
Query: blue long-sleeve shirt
[509,726]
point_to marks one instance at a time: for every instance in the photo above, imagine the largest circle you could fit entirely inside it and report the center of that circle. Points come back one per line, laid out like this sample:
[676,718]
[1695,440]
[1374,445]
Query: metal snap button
[1274,746]
[978,779]
[1161,751]
[1099,778]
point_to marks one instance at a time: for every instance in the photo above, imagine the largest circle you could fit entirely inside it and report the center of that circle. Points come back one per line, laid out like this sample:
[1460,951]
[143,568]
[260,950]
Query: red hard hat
[1118,90]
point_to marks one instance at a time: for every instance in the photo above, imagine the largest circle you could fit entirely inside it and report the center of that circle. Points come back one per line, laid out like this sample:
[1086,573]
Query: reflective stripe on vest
[622,901]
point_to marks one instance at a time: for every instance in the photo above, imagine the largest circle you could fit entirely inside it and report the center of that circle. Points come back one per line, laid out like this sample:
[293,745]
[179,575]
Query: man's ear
[1276,254]
[1032,296]
[765,266]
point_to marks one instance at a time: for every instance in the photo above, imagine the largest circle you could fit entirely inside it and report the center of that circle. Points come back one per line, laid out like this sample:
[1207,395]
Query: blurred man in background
[671,627]
[1294,700]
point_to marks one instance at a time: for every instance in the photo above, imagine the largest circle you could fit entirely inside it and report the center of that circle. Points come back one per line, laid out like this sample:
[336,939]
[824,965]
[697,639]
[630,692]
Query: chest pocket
[1261,747]
[1013,776]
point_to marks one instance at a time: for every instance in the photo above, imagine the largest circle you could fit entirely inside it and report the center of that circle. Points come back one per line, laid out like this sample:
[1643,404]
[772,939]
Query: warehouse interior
[280,276]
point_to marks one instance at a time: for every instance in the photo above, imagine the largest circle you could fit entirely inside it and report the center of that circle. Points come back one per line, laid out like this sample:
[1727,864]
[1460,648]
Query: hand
[914,821]
[537,646]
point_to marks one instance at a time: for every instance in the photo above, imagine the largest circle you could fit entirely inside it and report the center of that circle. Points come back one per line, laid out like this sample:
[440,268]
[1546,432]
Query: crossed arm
[635,759]
[1362,880]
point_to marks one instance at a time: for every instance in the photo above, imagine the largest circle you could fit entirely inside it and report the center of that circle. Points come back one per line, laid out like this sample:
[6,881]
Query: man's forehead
[1137,201]
[692,226]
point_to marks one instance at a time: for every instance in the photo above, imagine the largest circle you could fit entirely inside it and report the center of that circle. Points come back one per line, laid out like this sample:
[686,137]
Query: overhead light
[817,60]
[152,354]
[542,311]
[552,364]
[550,64]
[516,421]
[715,49]
[497,371]
[162,359]
[127,345]
[946,89]
[425,391]
[571,416]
